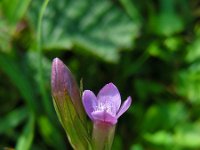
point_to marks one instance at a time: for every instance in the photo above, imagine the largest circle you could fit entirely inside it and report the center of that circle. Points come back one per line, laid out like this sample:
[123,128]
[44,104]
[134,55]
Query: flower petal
[124,107]
[89,102]
[109,95]
[104,117]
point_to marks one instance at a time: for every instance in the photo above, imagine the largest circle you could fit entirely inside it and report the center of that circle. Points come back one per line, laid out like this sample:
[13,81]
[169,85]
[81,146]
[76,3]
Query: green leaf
[193,50]
[96,27]
[5,36]
[164,26]
[184,136]
[117,143]
[147,88]
[10,15]
[31,59]
[15,11]
[76,131]
[137,147]
[13,119]
[188,83]
[167,21]
[50,134]
[25,140]
[131,10]
[188,135]
[160,138]
[173,43]
[163,116]
[12,69]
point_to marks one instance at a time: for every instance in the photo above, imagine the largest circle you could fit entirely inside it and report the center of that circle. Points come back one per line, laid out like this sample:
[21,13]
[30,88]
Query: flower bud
[63,84]
[68,105]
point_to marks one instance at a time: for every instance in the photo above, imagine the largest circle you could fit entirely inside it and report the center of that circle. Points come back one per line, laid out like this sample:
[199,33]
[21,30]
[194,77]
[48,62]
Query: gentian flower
[105,108]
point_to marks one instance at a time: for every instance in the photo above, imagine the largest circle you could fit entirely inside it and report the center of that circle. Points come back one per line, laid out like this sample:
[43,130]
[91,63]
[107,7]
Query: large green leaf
[97,27]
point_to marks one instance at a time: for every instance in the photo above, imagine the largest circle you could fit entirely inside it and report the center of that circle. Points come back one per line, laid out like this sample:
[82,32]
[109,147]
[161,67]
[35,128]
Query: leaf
[131,9]
[13,119]
[5,36]
[147,88]
[188,83]
[31,59]
[117,143]
[193,50]
[25,140]
[160,138]
[76,131]
[50,134]
[12,69]
[155,49]
[161,22]
[163,116]
[15,11]
[10,15]
[188,135]
[96,27]
[173,43]
[185,136]
[137,147]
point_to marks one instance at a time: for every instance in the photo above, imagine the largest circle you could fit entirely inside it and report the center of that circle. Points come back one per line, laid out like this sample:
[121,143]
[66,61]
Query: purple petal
[124,107]
[110,95]
[104,117]
[89,102]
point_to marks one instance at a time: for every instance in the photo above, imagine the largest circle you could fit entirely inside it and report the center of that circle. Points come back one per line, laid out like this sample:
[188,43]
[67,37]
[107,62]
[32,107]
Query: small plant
[103,110]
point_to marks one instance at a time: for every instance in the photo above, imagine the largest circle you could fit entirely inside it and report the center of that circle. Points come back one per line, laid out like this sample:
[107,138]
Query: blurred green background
[148,49]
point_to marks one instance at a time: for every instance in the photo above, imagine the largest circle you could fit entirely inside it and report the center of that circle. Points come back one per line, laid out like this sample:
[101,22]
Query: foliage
[149,49]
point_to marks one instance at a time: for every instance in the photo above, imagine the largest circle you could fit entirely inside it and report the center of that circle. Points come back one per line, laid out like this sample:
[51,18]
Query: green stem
[40,67]
[103,135]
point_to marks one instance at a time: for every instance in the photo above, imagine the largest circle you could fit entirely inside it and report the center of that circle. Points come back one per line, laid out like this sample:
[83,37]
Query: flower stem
[102,136]
[41,83]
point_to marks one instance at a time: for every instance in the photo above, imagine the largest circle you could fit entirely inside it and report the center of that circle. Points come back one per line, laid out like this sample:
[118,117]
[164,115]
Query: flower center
[105,107]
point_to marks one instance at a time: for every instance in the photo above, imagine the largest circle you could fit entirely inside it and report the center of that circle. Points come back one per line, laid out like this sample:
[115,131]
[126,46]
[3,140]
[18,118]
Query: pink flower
[105,107]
